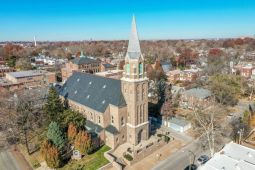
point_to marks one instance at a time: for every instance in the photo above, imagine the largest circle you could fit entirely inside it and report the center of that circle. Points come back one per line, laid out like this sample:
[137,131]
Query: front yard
[89,162]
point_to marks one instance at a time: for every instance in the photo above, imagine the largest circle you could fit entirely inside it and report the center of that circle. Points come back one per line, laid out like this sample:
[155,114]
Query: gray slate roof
[92,127]
[111,129]
[83,60]
[93,91]
[198,93]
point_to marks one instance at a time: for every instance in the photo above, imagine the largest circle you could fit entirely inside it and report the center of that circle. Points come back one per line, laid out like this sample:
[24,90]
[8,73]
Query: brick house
[82,64]
[195,97]
[107,67]
[28,79]
[116,110]
[183,75]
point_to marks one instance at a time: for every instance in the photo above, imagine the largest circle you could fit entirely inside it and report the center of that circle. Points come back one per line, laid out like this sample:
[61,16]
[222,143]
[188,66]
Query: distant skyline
[68,20]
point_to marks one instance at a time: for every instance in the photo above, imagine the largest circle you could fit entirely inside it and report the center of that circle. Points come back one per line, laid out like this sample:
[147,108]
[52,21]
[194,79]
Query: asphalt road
[7,161]
[182,158]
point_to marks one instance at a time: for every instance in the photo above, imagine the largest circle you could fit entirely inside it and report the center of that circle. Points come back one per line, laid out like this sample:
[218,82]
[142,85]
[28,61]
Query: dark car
[202,159]
[191,167]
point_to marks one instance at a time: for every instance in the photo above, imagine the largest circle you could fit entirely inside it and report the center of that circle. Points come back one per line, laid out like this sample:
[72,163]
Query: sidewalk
[154,158]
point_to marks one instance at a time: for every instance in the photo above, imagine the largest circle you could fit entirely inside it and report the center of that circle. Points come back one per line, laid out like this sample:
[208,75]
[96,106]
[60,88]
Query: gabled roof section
[93,91]
[134,50]
[83,60]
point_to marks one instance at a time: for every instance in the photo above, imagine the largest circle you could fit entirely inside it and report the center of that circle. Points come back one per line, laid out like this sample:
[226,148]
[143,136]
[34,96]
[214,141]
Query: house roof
[107,65]
[179,121]
[232,156]
[29,73]
[83,60]
[111,129]
[93,91]
[198,93]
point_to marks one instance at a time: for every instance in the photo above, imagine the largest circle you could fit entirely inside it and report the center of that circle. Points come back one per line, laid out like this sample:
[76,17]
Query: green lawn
[89,162]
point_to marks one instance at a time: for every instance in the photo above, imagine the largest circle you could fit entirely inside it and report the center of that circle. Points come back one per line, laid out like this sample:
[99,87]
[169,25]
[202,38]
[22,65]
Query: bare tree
[209,125]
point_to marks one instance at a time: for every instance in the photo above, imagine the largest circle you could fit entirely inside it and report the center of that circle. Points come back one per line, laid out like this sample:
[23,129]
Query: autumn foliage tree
[51,155]
[71,132]
[83,142]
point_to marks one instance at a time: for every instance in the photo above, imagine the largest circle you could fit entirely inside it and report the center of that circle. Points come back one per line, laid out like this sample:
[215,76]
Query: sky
[71,20]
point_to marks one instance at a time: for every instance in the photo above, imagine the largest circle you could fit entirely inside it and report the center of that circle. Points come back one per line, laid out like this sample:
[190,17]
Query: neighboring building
[2,62]
[232,157]
[195,97]
[183,75]
[246,70]
[173,76]
[82,64]
[107,67]
[5,69]
[116,110]
[166,66]
[28,79]
[177,124]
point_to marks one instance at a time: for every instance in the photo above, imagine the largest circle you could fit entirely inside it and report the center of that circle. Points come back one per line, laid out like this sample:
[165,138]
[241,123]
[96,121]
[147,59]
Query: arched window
[140,68]
[122,121]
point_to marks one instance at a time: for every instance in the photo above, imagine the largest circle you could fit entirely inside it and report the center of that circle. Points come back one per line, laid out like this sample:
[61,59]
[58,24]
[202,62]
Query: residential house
[195,97]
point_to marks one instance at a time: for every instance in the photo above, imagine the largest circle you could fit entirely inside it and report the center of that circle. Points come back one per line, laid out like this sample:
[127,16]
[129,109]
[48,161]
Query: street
[180,159]
[7,161]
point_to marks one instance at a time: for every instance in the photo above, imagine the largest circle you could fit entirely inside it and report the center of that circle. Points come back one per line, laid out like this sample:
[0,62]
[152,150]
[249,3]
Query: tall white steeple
[134,45]
[134,61]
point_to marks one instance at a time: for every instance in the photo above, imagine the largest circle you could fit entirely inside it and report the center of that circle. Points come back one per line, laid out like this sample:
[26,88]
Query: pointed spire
[82,54]
[134,45]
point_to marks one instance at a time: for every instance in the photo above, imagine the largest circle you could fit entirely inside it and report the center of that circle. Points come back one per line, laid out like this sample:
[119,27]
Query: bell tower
[135,90]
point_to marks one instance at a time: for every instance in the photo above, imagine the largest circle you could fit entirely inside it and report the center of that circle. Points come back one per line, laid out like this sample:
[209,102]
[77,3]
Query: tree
[167,109]
[209,125]
[71,132]
[23,64]
[75,118]
[51,155]
[54,107]
[225,88]
[55,135]
[83,142]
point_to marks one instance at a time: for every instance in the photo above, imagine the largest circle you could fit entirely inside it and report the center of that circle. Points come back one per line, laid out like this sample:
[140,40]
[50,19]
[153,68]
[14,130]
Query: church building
[116,110]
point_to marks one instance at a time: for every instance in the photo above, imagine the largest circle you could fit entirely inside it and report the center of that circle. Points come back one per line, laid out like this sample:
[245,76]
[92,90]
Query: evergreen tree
[54,107]
[83,142]
[74,117]
[56,136]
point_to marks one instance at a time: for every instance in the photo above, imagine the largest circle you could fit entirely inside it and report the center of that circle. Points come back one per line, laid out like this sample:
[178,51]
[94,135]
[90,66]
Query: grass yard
[89,162]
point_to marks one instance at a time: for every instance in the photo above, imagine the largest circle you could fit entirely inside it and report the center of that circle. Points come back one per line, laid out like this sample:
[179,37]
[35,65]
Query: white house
[177,124]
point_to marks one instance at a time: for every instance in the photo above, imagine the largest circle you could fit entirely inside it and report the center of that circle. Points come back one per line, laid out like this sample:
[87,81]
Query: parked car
[191,167]
[202,159]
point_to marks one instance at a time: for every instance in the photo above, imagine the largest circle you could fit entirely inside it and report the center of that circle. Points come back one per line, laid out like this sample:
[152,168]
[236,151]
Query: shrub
[128,157]
[159,135]
[166,139]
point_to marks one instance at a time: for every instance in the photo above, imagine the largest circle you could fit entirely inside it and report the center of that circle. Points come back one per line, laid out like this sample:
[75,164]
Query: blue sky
[111,19]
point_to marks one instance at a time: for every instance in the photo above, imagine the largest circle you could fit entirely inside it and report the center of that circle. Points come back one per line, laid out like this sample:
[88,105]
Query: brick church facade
[116,110]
